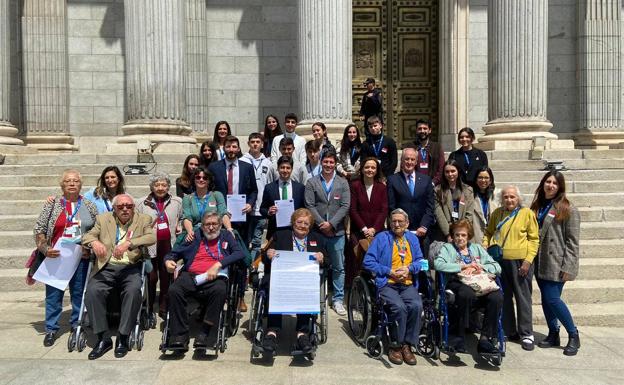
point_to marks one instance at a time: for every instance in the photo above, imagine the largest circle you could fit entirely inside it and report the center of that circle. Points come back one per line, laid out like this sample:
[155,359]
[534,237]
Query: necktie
[284,191]
[230,181]
[410,184]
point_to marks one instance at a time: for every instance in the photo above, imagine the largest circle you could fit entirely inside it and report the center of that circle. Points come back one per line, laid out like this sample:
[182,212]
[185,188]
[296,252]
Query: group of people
[343,200]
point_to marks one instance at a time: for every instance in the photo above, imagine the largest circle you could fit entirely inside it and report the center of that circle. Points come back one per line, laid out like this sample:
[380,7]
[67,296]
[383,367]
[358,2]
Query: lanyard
[328,189]
[456,205]
[314,171]
[485,207]
[402,248]
[467,259]
[513,214]
[542,212]
[117,235]
[221,153]
[159,214]
[253,162]
[353,153]
[202,208]
[219,256]
[70,218]
[423,154]
[108,207]
[299,246]
[377,147]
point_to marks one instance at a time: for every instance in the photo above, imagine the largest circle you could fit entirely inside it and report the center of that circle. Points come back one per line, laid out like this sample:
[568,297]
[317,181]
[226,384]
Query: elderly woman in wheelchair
[469,272]
[394,258]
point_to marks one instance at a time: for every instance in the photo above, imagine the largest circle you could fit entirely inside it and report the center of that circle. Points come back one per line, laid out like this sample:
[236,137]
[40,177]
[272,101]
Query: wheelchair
[260,308]
[77,339]
[446,301]
[229,317]
[369,323]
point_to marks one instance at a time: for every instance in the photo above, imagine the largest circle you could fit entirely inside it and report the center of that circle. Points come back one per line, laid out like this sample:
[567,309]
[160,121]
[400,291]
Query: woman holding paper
[204,199]
[301,239]
[64,219]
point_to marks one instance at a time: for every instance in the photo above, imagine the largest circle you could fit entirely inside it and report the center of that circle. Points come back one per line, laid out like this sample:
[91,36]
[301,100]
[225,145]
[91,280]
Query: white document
[200,279]
[57,272]
[295,283]
[235,206]
[285,209]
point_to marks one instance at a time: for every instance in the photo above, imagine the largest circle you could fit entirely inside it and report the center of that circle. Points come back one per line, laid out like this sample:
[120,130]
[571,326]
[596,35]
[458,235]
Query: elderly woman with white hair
[165,210]
[512,238]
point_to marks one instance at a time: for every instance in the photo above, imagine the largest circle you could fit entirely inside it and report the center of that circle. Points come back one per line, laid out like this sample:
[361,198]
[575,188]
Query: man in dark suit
[283,188]
[380,146]
[430,159]
[232,176]
[413,192]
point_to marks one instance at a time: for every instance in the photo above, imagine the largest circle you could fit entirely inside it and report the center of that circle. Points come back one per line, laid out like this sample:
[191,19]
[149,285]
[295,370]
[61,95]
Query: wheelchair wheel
[360,310]
[81,341]
[324,316]
[253,309]
[72,341]
[131,339]
[374,346]
[140,340]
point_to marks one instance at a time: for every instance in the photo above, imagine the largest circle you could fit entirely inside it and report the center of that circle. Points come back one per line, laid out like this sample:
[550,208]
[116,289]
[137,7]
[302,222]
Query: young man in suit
[328,198]
[430,160]
[381,147]
[413,192]
[282,188]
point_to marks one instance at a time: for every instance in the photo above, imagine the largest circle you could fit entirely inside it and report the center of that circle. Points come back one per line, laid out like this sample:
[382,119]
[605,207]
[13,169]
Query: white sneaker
[339,309]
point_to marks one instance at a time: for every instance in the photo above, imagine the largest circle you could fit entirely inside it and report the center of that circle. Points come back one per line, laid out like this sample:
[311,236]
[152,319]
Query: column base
[51,142]
[7,133]
[157,129]
[157,148]
[599,140]
[523,145]
[157,139]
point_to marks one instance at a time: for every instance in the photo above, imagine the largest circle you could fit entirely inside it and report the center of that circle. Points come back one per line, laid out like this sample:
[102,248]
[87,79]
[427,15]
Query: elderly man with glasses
[117,240]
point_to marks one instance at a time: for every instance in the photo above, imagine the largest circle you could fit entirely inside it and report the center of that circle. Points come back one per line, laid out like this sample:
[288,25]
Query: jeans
[335,248]
[554,307]
[256,229]
[54,299]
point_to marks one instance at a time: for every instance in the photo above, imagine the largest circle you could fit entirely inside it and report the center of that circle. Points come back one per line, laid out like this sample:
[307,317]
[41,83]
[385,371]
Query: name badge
[225,244]
[212,204]
[337,197]
[72,229]
[402,253]
[313,243]
[455,215]
[384,150]
[162,226]
[423,165]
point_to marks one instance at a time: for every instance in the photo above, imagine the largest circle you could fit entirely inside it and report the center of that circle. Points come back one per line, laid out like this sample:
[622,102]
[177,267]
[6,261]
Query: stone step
[588,291]
[603,230]
[88,181]
[99,159]
[17,222]
[601,248]
[41,193]
[599,214]
[570,164]
[588,314]
[14,258]
[506,176]
[593,186]
[554,155]
[14,280]
[601,268]
[87,169]
[16,239]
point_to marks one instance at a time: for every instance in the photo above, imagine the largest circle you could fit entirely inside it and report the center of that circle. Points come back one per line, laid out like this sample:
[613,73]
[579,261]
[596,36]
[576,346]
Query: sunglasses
[200,177]
[123,206]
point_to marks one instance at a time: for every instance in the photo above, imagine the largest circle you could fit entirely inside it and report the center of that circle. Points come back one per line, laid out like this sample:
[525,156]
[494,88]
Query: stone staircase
[595,182]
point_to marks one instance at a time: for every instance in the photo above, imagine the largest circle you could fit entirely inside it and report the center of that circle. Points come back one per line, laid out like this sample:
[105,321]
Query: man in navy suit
[232,176]
[283,188]
[413,192]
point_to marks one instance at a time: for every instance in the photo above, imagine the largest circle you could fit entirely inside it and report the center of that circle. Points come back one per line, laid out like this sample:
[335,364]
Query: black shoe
[574,344]
[458,344]
[269,343]
[179,342]
[551,340]
[527,344]
[201,341]
[101,348]
[303,343]
[49,339]
[152,321]
[121,346]
[485,346]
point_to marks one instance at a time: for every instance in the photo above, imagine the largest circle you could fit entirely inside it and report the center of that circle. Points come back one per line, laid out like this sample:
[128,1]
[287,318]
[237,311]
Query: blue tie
[410,184]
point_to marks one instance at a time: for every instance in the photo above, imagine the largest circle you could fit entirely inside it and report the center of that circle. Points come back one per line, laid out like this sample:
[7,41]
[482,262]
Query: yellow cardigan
[523,239]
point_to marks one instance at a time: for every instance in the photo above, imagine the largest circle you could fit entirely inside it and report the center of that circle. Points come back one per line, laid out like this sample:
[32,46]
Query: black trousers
[517,290]
[211,294]
[125,278]
[466,300]
[274,321]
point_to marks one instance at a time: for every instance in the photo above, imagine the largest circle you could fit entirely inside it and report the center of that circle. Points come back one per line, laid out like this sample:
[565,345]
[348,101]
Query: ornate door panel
[395,42]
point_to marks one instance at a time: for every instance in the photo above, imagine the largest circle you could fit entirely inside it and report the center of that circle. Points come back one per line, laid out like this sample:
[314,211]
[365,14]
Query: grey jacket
[559,247]
[335,209]
[173,209]
[444,211]
[479,222]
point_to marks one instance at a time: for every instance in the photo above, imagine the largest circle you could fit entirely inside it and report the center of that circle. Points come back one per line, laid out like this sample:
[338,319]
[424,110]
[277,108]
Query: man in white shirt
[299,173]
[290,123]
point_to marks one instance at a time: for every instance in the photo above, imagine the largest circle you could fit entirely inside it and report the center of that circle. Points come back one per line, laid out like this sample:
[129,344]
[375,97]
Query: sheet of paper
[235,206]
[285,209]
[295,284]
[57,272]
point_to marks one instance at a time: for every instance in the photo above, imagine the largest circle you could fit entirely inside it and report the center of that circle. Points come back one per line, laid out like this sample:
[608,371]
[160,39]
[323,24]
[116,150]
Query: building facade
[94,76]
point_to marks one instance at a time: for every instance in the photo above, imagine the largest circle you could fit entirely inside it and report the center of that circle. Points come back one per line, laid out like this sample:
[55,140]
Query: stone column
[453,86]
[7,128]
[325,64]
[155,72]
[45,80]
[196,68]
[517,55]
[600,73]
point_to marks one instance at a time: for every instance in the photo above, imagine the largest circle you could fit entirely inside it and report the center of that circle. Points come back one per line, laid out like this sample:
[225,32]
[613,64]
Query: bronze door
[396,43]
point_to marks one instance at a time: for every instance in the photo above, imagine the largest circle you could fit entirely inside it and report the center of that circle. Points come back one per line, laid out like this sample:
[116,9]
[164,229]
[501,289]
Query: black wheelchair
[369,323]
[259,311]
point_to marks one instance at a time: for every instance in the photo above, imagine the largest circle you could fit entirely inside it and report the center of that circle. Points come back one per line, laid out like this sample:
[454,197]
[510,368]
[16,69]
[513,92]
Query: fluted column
[45,80]
[155,71]
[7,128]
[517,54]
[453,80]
[325,63]
[600,73]
[196,68]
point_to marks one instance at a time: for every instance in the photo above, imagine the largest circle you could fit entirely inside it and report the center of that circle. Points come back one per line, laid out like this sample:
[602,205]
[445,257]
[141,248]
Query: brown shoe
[242,306]
[408,356]
[395,356]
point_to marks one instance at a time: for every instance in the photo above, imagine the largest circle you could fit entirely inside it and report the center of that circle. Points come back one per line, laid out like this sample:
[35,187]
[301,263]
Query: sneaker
[303,343]
[339,309]
[269,343]
[527,344]
[201,341]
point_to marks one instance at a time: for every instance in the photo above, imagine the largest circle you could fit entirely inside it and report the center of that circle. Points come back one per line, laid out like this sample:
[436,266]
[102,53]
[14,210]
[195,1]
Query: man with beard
[206,259]
[430,159]
[372,104]
[290,123]
[381,147]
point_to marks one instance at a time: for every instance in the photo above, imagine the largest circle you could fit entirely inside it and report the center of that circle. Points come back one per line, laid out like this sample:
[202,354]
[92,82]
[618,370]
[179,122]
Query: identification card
[163,226]
[455,215]
[212,204]
[424,165]
[73,229]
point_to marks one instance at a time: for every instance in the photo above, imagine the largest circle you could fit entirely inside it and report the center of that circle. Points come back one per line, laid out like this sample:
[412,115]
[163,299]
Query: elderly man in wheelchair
[394,258]
[204,276]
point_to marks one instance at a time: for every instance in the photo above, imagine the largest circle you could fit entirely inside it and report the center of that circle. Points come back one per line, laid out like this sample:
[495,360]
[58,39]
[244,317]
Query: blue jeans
[54,299]
[554,307]
[256,229]
[335,248]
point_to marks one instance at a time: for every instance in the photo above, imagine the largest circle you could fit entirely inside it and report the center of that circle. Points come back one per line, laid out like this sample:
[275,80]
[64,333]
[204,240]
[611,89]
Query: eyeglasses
[127,206]
[211,224]
[200,177]
[483,178]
